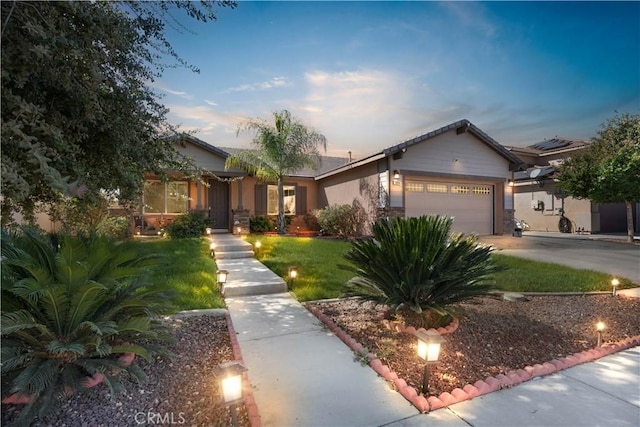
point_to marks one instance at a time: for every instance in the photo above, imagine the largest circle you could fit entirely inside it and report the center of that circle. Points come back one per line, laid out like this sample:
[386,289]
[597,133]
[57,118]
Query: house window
[166,198]
[460,189]
[415,186]
[437,188]
[482,189]
[289,199]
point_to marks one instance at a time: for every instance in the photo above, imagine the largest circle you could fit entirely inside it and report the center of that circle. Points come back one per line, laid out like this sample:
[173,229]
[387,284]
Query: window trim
[165,198]
[285,187]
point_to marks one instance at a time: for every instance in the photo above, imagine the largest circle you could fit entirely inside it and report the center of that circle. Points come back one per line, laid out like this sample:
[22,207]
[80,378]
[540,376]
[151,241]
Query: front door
[219,203]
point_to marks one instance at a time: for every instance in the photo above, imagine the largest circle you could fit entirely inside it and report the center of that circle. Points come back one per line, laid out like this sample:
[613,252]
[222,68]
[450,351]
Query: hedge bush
[193,224]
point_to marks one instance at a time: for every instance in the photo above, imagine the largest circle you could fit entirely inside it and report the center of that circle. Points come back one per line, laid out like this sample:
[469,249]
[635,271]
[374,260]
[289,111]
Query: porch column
[198,195]
[240,207]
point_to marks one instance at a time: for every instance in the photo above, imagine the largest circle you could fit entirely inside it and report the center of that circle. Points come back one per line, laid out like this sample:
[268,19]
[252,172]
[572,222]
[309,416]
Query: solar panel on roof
[551,144]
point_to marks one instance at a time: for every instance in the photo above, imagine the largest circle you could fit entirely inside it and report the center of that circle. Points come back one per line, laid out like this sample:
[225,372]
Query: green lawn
[523,275]
[318,262]
[186,268]
[321,277]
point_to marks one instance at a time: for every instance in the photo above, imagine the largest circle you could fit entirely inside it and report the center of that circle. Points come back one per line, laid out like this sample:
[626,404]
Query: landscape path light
[257,245]
[212,248]
[599,327]
[229,375]
[221,276]
[429,345]
[614,285]
[293,274]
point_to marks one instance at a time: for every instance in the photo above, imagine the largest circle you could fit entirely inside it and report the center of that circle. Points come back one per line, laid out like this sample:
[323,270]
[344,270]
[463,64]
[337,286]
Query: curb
[481,387]
[249,400]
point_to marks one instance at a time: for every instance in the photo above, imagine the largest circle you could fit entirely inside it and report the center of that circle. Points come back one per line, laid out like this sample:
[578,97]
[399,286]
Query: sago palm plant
[68,312]
[417,264]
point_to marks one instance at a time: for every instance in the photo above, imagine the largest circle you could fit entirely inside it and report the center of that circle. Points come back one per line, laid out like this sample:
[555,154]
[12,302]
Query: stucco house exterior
[540,203]
[456,170]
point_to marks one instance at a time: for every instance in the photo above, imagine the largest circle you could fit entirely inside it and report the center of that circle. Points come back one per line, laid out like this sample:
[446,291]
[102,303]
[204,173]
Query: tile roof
[461,126]
[331,165]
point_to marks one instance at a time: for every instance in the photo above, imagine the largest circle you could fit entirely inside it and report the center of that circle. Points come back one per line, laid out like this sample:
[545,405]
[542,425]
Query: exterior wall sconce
[599,328]
[221,276]
[510,183]
[229,375]
[614,285]
[396,177]
[429,345]
[292,273]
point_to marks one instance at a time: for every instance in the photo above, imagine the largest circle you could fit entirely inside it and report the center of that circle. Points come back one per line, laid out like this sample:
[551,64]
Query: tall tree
[78,113]
[280,149]
[608,171]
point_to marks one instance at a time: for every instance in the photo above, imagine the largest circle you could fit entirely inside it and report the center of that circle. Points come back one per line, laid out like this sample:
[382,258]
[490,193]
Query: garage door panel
[470,204]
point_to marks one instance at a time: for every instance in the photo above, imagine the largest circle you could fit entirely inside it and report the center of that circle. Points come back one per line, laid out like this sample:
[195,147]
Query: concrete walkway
[303,375]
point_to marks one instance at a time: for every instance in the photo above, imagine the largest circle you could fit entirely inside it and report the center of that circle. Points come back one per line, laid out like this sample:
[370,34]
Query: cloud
[471,15]
[359,110]
[270,84]
[212,126]
[209,102]
[163,88]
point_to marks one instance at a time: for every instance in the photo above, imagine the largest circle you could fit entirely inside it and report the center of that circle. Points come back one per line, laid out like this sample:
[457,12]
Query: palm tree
[281,149]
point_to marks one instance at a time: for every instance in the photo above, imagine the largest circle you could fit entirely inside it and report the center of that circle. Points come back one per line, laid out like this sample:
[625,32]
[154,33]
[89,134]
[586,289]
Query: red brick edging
[249,400]
[480,387]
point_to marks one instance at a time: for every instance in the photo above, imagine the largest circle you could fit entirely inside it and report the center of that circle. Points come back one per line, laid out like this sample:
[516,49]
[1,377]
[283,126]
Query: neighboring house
[456,170]
[541,204]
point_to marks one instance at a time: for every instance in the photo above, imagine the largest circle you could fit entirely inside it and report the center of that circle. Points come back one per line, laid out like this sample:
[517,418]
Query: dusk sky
[369,75]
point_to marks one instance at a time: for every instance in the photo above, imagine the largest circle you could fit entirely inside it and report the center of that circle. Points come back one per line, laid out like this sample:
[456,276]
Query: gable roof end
[182,139]
[461,127]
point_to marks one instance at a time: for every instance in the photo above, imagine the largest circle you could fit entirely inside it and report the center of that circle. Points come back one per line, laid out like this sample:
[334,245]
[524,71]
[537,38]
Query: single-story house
[540,203]
[456,170]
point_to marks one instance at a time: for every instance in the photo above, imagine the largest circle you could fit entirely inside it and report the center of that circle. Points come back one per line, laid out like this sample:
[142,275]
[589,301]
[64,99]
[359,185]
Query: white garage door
[470,204]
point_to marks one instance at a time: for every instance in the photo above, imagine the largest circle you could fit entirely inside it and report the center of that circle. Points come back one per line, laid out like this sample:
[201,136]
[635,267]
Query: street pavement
[604,253]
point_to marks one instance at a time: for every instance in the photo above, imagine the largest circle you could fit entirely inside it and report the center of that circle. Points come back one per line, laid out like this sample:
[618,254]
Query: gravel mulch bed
[494,337]
[179,391]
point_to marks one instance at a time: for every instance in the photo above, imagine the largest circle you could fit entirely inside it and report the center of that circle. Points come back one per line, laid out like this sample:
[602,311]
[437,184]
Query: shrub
[261,224]
[343,220]
[69,312]
[193,224]
[114,227]
[418,265]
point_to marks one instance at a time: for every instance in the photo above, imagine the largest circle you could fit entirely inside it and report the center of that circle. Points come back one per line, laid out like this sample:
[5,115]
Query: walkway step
[248,276]
[233,254]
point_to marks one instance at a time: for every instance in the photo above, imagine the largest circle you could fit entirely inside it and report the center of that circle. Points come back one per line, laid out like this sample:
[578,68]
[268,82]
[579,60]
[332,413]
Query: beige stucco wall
[248,193]
[582,213]
[203,158]
[452,154]
[359,183]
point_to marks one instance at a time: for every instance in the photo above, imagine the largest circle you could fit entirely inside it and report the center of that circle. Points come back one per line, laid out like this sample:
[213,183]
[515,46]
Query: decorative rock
[513,297]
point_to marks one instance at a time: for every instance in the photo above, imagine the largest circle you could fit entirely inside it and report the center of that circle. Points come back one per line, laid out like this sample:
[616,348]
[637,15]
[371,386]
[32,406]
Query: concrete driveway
[584,252]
